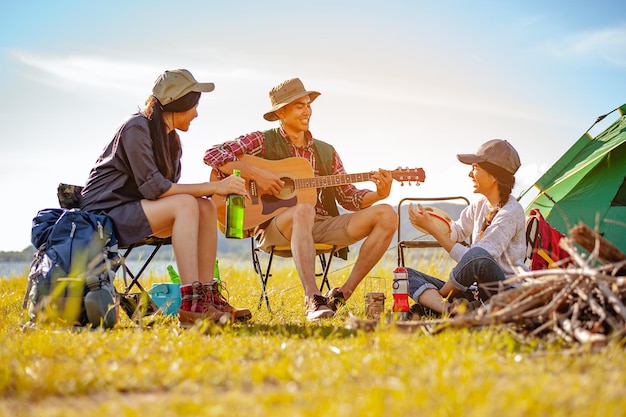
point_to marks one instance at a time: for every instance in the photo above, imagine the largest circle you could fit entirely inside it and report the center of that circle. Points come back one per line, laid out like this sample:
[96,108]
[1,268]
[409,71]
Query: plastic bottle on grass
[234,213]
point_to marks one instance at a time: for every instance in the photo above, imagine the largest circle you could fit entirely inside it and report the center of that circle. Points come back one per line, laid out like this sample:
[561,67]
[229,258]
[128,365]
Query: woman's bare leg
[177,216]
[207,239]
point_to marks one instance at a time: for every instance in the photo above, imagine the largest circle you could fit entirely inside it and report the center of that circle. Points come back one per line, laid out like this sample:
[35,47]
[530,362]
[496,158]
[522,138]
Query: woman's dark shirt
[126,170]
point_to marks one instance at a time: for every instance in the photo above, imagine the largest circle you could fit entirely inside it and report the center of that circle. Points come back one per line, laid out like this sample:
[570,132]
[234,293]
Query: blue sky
[404,83]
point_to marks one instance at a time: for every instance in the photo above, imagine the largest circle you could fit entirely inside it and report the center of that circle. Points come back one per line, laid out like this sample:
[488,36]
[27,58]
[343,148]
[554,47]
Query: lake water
[157,268]
[20,269]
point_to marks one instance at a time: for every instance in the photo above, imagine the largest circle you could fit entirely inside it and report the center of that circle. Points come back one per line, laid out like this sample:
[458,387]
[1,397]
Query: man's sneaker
[335,299]
[217,290]
[197,304]
[316,308]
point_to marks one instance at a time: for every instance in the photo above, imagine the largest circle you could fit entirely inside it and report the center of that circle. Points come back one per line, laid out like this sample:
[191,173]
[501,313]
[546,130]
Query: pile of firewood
[581,303]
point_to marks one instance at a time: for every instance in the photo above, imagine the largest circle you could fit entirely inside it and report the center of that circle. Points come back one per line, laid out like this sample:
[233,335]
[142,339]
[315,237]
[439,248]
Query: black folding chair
[321,250]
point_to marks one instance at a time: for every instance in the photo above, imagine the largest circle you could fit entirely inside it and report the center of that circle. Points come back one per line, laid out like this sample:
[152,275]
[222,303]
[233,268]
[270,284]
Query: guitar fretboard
[331,180]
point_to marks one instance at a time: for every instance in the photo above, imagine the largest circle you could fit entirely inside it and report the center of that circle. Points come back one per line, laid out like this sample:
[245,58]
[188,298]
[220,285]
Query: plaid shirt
[348,196]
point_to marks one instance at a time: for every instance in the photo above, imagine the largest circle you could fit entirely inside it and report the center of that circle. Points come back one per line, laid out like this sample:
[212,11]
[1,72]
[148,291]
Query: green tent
[588,184]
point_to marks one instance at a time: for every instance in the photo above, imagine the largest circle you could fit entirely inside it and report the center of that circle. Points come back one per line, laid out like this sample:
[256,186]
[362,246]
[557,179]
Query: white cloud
[607,45]
[72,71]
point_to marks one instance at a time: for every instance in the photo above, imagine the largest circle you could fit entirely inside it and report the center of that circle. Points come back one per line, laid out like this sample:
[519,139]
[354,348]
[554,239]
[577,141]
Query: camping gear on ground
[542,244]
[588,184]
[374,297]
[76,255]
[400,291]
[166,296]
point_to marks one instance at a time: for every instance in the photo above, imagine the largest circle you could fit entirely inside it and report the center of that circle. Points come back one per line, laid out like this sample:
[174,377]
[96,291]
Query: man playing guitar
[301,224]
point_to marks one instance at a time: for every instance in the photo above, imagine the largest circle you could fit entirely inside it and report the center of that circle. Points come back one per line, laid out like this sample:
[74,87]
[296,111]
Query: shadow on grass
[292,330]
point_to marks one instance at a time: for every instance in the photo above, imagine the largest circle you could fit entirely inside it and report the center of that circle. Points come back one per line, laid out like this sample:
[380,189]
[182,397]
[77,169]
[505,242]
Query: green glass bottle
[234,214]
[216,271]
[174,277]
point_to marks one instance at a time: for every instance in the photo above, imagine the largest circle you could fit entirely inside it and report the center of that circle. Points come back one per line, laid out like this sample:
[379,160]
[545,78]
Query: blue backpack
[76,257]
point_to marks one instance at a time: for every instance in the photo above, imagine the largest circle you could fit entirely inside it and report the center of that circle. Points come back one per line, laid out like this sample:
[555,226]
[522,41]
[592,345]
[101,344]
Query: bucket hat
[173,84]
[496,151]
[285,93]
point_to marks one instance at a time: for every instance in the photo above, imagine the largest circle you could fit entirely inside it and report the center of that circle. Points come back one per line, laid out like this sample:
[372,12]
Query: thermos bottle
[400,293]
[100,303]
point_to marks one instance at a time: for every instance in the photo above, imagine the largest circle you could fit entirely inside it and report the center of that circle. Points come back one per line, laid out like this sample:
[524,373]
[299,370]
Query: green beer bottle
[234,214]
[174,277]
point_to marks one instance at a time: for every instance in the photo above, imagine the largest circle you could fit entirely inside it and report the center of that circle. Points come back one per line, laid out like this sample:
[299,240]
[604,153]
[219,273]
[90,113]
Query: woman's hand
[231,185]
[420,219]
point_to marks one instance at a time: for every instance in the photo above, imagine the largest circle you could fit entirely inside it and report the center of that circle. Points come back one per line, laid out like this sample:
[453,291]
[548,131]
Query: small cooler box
[166,296]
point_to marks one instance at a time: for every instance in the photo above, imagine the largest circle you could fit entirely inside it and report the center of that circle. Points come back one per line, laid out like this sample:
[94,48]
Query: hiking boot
[197,304]
[316,308]
[217,290]
[335,299]
[462,306]
[419,312]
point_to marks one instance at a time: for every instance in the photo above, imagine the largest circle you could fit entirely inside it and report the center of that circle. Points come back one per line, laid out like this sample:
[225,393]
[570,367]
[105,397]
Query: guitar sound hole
[289,188]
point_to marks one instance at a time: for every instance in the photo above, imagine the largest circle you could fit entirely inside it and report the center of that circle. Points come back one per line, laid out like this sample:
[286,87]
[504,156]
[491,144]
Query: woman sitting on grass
[134,182]
[496,224]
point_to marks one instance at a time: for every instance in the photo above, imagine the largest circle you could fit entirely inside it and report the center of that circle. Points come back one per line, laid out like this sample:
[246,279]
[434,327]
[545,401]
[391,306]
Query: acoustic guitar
[300,187]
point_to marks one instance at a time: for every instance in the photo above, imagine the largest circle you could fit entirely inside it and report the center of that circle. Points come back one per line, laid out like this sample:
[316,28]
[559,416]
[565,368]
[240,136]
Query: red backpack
[542,243]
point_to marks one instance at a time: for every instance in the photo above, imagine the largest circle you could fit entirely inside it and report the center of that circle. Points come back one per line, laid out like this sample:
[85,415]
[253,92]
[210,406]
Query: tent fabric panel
[584,151]
[590,201]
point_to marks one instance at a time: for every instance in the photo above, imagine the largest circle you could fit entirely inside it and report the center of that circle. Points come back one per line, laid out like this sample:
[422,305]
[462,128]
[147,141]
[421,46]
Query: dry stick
[591,240]
[550,323]
[561,296]
[580,334]
[603,315]
[618,306]
[517,309]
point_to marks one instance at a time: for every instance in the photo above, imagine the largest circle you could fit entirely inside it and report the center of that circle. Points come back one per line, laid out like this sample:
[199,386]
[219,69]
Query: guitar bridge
[254,194]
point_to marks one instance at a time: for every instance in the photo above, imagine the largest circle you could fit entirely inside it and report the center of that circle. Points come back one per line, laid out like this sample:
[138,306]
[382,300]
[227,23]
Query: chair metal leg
[326,269]
[263,276]
[135,278]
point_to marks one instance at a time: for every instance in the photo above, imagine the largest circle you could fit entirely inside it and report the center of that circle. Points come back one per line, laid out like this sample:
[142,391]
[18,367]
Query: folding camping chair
[425,241]
[69,197]
[321,250]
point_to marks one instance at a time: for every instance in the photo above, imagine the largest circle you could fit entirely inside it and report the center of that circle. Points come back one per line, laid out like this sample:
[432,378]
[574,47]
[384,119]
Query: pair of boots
[205,301]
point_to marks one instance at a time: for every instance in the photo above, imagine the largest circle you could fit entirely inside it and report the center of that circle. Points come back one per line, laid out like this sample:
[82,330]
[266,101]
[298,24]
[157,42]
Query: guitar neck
[331,180]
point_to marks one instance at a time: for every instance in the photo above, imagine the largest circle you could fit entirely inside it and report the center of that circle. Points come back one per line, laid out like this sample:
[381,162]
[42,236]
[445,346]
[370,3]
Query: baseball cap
[173,84]
[496,151]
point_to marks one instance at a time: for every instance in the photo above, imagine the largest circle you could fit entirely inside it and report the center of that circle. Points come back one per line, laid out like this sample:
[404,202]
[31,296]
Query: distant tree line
[13,256]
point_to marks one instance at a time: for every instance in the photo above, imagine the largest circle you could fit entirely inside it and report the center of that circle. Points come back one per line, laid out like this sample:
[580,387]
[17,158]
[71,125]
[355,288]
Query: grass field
[280,365]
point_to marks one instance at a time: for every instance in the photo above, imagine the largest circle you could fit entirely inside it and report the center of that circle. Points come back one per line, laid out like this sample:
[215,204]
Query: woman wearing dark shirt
[134,182]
